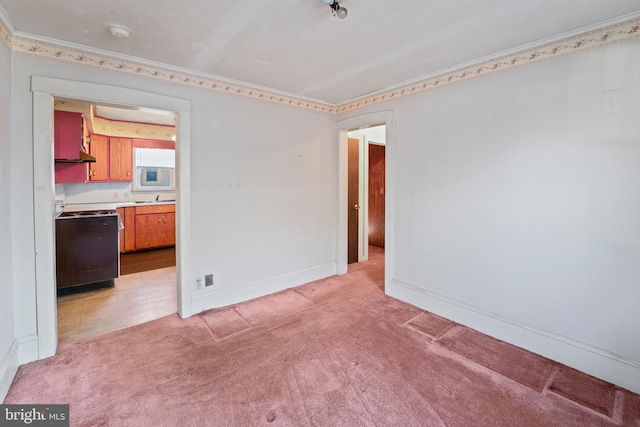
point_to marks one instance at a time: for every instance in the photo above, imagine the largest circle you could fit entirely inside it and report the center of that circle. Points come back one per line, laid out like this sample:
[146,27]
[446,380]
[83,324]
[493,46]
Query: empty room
[349,212]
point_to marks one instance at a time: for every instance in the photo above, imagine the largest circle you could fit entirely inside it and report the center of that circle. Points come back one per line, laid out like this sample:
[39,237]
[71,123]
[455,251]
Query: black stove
[87,248]
[84,214]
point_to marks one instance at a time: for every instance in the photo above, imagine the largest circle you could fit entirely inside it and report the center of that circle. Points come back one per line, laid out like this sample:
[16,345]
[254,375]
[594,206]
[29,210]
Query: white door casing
[343,127]
[44,91]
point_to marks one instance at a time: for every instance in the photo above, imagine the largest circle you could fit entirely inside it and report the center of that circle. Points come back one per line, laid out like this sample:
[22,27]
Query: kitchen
[115,217]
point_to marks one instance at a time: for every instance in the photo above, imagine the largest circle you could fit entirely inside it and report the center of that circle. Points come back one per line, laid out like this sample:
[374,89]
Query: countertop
[111,206]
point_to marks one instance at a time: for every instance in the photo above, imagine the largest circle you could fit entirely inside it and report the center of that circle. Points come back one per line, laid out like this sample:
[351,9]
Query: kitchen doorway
[45,91]
[142,286]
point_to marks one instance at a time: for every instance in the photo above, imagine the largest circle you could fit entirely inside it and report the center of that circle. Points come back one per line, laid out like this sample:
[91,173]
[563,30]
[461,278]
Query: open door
[376,203]
[353,204]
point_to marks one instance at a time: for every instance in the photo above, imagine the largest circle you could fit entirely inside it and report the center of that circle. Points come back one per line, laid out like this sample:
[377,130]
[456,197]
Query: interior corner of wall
[28,349]
[9,368]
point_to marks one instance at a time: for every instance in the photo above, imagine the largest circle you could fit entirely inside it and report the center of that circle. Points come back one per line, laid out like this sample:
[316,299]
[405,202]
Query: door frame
[343,127]
[44,91]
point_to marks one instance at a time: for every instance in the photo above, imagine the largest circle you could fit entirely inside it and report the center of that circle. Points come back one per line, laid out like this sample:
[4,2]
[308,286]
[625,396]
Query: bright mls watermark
[34,415]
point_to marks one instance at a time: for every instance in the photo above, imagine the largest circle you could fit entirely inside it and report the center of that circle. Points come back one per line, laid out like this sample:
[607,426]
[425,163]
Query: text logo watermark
[34,415]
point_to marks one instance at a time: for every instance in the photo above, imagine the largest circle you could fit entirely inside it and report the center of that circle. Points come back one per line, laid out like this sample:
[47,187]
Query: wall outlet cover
[208,280]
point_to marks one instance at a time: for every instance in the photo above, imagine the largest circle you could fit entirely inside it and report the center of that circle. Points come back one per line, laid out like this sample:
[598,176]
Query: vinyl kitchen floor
[135,298]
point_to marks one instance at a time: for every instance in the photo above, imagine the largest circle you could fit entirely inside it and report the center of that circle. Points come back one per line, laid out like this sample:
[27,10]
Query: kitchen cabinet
[69,149]
[127,216]
[99,148]
[113,159]
[120,159]
[155,226]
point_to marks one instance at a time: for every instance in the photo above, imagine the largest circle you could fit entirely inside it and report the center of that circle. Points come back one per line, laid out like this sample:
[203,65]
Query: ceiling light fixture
[119,31]
[337,10]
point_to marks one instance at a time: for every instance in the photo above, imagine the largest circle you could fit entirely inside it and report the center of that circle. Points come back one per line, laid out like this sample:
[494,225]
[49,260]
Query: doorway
[366,191]
[344,127]
[143,288]
[44,91]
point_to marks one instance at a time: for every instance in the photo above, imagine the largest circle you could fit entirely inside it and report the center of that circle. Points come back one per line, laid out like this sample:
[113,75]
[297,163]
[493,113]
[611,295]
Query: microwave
[153,178]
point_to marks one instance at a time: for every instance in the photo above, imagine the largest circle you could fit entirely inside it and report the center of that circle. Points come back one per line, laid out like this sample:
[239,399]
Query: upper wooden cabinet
[120,164]
[99,148]
[113,159]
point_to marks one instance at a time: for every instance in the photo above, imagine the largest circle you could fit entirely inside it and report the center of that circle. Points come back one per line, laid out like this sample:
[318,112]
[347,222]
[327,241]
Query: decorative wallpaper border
[71,55]
[5,34]
[57,52]
[604,36]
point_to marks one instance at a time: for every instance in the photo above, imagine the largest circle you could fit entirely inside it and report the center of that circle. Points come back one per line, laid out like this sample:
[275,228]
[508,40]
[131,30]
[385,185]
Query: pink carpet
[336,352]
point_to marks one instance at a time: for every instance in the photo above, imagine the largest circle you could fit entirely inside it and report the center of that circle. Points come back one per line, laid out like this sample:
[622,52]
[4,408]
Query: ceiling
[299,48]
[136,114]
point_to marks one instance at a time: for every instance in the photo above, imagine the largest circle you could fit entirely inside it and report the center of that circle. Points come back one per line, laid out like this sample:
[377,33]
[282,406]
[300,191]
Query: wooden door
[353,204]
[99,148]
[120,159]
[376,194]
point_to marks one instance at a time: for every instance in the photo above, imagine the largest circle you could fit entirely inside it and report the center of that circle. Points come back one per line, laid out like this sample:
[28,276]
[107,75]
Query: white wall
[7,333]
[263,192]
[262,181]
[375,134]
[517,209]
[103,192]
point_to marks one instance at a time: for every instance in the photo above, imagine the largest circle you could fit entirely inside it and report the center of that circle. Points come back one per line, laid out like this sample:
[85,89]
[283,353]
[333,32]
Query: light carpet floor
[336,352]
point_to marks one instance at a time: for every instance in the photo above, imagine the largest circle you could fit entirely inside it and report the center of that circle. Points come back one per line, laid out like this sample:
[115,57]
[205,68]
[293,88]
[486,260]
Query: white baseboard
[611,367]
[28,349]
[8,368]
[206,300]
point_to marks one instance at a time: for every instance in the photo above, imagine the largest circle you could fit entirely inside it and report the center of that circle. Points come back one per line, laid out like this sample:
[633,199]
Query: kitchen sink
[154,201]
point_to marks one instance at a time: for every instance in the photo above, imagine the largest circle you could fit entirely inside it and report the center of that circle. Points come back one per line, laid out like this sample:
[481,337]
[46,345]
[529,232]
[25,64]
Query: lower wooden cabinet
[147,227]
[155,230]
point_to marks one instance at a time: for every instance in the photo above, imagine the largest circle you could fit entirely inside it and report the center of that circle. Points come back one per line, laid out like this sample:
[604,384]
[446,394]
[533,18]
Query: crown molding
[614,31]
[41,48]
[577,41]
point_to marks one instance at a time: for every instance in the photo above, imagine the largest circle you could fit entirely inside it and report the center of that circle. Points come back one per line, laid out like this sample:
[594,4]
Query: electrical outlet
[115,195]
[198,283]
[126,195]
[208,280]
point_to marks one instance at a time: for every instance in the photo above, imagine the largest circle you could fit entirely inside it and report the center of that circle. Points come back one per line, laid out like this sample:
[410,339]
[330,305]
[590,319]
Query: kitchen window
[154,169]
